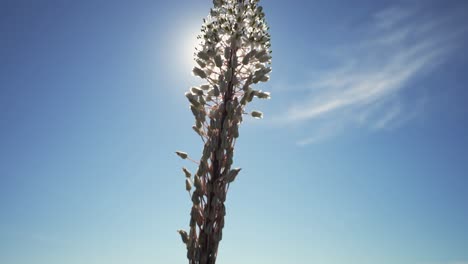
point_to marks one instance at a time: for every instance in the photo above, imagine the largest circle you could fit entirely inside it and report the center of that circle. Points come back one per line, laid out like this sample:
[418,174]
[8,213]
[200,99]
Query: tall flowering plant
[233,55]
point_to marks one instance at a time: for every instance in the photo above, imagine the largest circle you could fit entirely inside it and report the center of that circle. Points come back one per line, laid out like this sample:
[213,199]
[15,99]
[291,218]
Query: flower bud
[214,13]
[195,200]
[218,61]
[235,102]
[203,55]
[250,97]
[211,52]
[266,70]
[198,72]
[188,185]
[243,101]
[201,117]
[222,86]
[259,74]
[215,90]
[205,87]
[217,3]
[235,80]
[231,176]
[181,154]
[235,131]
[229,161]
[256,78]
[197,182]
[265,78]
[187,172]
[201,100]
[184,236]
[212,121]
[257,114]
[227,53]
[197,130]
[195,111]
[261,54]
[206,153]
[224,143]
[264,58]
[201,168]
[252,53]
[245,60]
[198,124]
[262,95]
[197,215]
[201,63]
[192,99]
[196,90]
[239,112]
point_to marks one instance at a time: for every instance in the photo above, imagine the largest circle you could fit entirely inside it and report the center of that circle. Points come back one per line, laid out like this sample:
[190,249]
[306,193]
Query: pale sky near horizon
[362,157]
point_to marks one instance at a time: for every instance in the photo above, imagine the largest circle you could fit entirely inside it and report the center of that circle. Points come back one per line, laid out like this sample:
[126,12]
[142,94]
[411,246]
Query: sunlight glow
[186,46]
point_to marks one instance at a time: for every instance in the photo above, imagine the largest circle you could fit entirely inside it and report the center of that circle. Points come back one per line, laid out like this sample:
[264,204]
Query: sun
[186,47]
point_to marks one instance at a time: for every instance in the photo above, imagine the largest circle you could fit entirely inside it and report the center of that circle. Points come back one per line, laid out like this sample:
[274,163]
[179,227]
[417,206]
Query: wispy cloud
[387,117]
[398,47]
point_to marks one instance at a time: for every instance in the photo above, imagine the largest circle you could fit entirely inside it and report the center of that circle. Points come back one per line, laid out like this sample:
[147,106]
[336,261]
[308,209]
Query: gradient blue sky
[362,157]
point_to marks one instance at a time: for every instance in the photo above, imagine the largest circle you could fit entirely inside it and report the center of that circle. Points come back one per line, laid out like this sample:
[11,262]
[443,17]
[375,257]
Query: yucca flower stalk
[233,55]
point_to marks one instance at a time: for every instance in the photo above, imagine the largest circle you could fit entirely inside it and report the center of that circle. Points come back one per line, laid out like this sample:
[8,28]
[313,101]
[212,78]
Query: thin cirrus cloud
[365,88]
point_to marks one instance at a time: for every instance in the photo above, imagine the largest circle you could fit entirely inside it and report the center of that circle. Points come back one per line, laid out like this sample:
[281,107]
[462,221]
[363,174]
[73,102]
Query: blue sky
[362,156]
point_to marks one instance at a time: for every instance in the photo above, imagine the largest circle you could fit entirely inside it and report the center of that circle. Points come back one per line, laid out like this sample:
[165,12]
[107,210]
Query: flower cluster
[234,54]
